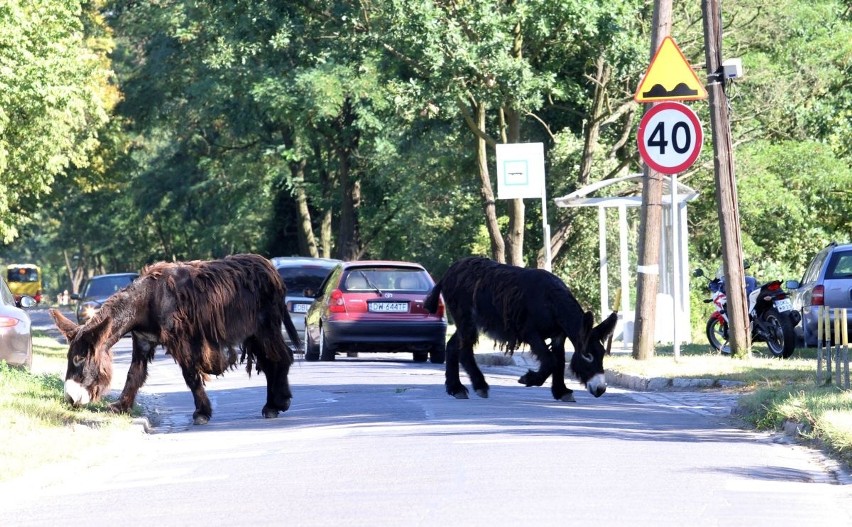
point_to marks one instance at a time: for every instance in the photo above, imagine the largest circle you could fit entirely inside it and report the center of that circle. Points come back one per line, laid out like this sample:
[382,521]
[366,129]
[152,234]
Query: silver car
[827,282]
[16,339]
[303,277]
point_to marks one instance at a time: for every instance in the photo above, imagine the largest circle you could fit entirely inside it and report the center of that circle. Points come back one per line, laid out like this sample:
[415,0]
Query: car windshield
[107,285]
[387,279]
[22,274]
[297,279]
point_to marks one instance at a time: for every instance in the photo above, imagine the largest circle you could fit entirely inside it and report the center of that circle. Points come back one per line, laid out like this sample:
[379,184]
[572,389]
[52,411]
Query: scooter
[771,315]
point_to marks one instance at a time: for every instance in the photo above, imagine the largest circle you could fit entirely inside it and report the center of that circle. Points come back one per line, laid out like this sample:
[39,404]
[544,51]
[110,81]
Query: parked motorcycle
[771,315]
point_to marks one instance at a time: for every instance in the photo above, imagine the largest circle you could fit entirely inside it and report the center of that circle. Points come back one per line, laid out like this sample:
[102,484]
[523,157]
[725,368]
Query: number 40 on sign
[669,137]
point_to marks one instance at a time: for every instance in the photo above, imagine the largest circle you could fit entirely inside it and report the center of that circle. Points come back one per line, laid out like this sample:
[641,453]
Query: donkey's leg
[195,383]
[545,359]
[137,374]
[185,354]
[278,395]
[558,389]
[451,369]
[469,338]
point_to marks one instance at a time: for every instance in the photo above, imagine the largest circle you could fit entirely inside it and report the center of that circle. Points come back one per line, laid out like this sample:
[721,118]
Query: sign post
[520,174]
[670,139]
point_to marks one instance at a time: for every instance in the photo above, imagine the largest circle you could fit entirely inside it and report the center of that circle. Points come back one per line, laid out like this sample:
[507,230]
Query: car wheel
[312,352]
[421,356]
[438,353]
[326,351]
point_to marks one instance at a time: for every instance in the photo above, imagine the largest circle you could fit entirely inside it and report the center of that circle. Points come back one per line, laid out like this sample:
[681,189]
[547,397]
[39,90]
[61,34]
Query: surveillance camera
[732,68]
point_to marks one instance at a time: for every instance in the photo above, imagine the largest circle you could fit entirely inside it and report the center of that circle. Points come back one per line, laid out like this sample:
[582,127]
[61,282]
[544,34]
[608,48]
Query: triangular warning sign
[670,77]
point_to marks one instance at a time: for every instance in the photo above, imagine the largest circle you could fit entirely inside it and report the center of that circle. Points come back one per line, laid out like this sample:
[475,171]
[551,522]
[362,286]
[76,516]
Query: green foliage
[221,103]
[53,101]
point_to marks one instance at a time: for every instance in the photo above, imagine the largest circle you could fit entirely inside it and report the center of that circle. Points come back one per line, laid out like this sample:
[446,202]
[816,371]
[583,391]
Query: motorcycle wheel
[780,337]
[717,335]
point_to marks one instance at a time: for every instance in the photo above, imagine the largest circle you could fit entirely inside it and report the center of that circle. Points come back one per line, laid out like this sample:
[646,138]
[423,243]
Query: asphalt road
[376,441]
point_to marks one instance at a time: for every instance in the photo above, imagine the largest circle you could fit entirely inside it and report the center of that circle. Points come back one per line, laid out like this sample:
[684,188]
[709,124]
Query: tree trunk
[498,249]
[348,240]
[515,235]
[593,127]
[325,234]
[305,232]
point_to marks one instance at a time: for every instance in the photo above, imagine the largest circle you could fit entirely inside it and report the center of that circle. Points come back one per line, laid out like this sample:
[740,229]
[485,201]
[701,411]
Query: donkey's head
[89,372]
[589,351]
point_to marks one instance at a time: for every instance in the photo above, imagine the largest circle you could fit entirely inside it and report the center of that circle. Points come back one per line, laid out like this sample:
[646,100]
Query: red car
[375,306]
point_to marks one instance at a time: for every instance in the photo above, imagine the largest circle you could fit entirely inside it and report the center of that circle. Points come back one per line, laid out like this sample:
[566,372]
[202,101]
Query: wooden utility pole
[651,224]
[726,187]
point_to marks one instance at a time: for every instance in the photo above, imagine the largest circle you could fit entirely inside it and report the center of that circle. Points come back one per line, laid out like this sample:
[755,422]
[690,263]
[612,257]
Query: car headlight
[89,309]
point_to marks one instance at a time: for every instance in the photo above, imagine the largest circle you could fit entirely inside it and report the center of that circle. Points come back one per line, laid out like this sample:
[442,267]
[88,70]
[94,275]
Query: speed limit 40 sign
[670,137]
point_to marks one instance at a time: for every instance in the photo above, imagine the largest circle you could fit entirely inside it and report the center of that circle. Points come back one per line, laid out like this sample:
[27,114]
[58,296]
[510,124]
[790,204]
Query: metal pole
[675,265]
[546,228]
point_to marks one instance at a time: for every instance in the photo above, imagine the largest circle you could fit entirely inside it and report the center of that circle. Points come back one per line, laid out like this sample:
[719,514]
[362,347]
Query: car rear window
[387,279]
[839,266]
[297,279]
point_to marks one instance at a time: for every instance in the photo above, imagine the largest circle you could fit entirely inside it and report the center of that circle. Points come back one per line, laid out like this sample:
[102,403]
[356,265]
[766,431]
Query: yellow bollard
[845,338]
[827,346]
[819,344]
[837,345]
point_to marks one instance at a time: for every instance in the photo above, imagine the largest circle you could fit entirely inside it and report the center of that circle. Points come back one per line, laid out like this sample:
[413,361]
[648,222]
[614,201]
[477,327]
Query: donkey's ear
[587,326]
[68,328]
[605,328]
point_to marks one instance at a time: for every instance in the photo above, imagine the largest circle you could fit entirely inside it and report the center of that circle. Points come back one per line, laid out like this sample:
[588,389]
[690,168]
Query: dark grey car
[827,282]
[97,290]
[302,276]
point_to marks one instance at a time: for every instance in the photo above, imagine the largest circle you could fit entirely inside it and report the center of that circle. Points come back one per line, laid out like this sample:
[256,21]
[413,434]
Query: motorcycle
[771,315]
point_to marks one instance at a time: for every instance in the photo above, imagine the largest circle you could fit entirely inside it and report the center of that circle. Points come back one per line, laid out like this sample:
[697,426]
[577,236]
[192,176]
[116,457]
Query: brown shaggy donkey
[201,312]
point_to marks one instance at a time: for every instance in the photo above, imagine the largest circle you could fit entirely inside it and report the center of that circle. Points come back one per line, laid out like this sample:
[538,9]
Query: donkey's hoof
[568,398]
[269,412]
[459,394]
[200,419]
[482,392]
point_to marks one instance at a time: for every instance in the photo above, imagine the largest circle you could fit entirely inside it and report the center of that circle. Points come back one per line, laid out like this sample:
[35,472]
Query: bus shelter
[629,196]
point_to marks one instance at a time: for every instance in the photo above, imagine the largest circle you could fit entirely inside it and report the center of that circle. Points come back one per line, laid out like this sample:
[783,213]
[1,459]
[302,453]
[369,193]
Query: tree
[55,92]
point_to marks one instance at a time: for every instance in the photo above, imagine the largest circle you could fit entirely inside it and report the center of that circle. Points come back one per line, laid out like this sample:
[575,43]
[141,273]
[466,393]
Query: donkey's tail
[291,330]
[432,300]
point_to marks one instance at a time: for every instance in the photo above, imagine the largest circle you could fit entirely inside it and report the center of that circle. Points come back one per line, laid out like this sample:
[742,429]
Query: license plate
[783,305]
[388,307]
[301,308]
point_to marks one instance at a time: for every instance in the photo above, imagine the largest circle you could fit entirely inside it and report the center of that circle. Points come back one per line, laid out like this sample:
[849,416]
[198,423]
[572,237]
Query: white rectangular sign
[520,170]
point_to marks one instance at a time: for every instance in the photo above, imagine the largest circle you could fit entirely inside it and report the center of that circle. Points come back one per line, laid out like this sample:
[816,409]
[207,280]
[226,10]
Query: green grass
[698,361]
[36,427]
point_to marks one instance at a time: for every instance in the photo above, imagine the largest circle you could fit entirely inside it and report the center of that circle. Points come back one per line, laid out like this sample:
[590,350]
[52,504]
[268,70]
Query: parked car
[827,282]
[16,339]
[303,277]
[375,306]
[96,291]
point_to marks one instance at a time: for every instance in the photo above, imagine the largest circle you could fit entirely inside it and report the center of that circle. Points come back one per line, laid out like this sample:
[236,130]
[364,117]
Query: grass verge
[774,391]
[36,427]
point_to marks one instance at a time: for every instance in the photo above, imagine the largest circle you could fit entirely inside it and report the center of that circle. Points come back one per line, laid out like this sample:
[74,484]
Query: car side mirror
[75,296]
[27,302]
[698,272]
[792,284]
